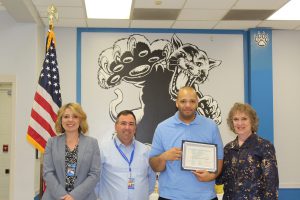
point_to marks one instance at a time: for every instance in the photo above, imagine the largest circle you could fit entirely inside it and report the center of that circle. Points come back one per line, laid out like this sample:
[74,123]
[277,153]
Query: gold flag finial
[52,14]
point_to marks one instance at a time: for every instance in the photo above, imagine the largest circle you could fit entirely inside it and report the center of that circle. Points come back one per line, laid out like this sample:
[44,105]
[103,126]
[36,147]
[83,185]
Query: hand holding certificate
[199,156]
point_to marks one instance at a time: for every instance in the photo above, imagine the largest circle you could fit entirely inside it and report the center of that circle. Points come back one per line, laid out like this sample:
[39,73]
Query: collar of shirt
[121,145]
[248,142]
[195,121]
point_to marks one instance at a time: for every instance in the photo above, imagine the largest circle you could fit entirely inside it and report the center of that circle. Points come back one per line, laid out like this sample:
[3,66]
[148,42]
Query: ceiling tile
[236,24]
[280,24]
[71,12]
[64,12]
[1,6]
[191,14]
[165,4]
[197,14]
[259,4]
[42,10]
[209,4]
[57,3]
[151,23]
[248,14]
[194,24]
[67,22]
[155,14]
[108,23]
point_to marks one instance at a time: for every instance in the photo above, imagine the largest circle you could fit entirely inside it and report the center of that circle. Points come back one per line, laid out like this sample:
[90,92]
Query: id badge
[131,183]
[71,169]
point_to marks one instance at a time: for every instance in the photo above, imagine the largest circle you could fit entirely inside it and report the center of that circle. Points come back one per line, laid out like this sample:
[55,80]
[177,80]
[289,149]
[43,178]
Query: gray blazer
[87,171]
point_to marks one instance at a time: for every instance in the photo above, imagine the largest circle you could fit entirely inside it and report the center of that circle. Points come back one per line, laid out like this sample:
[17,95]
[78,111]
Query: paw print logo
[261,39]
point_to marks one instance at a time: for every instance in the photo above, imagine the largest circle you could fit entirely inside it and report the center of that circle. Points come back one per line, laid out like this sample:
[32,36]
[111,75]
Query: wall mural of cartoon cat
[159,68]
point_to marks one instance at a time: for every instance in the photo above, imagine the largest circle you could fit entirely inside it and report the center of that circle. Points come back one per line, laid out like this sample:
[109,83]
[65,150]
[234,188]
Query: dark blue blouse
[250,171]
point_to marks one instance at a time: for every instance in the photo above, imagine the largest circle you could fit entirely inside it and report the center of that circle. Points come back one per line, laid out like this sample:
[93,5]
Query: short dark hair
[125,113]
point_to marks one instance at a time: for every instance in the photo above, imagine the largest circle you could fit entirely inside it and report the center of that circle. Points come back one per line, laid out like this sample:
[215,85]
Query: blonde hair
[247,110]
[78,111]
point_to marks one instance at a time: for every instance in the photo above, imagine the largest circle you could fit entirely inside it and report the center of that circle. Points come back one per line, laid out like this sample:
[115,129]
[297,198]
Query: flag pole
[52,14]
[41,177]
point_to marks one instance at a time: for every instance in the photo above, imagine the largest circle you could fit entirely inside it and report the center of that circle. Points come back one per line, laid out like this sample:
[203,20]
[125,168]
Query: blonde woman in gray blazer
[72,160]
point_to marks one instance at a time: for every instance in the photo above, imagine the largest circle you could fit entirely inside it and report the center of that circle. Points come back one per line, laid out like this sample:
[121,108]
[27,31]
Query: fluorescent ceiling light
[289,11]
[108,9]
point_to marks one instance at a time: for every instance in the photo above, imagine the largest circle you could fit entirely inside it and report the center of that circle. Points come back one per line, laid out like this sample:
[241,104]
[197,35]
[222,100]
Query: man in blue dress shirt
[165,155]
[125,170]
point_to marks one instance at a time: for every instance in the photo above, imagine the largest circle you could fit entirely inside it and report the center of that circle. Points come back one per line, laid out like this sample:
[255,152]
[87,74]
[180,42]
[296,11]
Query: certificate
[199,156]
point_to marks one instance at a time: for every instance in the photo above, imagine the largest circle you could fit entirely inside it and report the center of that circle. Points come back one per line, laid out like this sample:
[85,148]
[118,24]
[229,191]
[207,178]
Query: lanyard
[124,156]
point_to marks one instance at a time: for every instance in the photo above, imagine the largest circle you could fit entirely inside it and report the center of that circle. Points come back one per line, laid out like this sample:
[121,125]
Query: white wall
[18,57]
[286,87]
[6,117]
[66,58]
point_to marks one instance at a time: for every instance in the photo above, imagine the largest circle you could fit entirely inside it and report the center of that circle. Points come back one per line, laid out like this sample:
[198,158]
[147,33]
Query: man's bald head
[186,89]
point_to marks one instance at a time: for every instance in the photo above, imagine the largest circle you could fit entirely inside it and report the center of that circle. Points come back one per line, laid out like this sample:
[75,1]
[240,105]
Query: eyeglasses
[123,123]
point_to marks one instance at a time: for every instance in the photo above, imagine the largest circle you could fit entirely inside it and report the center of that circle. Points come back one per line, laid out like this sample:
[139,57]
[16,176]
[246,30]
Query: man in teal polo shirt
[165,154]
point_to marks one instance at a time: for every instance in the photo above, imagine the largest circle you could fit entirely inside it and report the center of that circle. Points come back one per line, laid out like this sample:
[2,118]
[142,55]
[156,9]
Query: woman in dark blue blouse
[250,166]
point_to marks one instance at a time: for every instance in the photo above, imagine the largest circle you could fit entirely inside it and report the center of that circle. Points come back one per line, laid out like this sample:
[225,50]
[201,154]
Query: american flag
[47,100]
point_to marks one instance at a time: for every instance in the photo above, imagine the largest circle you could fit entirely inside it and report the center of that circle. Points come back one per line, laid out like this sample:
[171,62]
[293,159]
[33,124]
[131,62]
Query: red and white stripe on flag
[47,100]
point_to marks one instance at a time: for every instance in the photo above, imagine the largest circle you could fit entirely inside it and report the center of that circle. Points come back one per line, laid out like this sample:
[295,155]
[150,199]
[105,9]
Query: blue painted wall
[289,194]
[260,96]
[261,80]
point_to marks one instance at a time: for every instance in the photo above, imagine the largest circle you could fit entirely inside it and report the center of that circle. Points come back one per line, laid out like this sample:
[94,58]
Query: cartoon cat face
[190,65]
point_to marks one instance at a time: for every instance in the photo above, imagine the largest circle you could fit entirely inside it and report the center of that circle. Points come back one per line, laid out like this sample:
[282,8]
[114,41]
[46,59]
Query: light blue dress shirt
[175,183]
[114,177]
